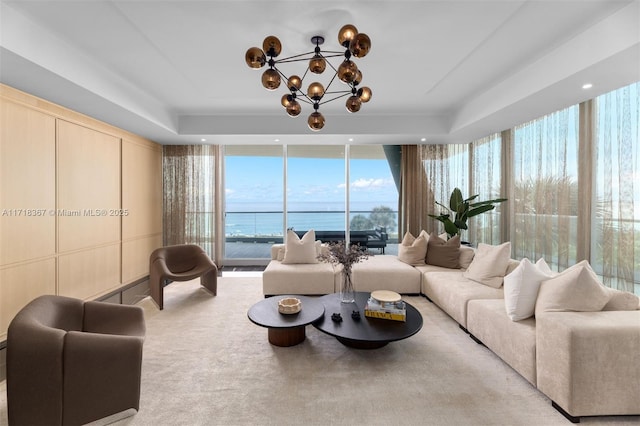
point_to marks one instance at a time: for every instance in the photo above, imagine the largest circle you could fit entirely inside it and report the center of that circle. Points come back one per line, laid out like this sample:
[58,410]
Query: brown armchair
[182,262]
[73,362]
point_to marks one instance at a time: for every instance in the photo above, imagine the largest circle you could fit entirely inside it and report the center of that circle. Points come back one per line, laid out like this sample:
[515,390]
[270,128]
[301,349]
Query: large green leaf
[450,227]
[482,203]
[456,199]
[481,209]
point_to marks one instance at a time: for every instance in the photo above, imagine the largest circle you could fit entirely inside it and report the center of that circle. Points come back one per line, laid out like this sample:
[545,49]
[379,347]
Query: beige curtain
[615,229]
[412,209]
[189,191]
[429,174]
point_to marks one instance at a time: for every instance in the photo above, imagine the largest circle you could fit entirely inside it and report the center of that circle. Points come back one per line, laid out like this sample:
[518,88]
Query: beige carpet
[205,363]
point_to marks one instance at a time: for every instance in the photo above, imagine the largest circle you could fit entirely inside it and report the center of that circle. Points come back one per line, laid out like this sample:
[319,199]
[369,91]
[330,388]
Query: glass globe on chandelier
[356,45]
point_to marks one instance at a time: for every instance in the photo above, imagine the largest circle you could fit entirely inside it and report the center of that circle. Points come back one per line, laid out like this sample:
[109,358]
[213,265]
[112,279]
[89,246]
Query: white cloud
[370,183]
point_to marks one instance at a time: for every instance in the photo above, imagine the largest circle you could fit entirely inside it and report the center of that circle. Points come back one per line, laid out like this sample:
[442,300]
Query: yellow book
[385,315]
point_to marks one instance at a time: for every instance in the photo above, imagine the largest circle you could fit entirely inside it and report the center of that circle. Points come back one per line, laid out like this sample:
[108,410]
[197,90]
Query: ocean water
[249,219]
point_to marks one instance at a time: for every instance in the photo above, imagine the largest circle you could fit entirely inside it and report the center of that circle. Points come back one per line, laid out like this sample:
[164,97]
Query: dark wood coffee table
[285,329]
[366,333]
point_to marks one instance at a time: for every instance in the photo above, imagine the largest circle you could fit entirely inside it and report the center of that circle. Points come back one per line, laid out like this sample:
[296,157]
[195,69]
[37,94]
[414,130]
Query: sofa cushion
[521,288]
[412,250]
[300,250]
[575,289]
[443,253]
[489,264]
[309,279]
[385,272]
[621,301]
[451,291]
[514,342]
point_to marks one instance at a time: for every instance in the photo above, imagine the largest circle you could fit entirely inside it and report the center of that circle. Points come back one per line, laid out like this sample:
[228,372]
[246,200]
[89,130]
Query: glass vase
[347,293]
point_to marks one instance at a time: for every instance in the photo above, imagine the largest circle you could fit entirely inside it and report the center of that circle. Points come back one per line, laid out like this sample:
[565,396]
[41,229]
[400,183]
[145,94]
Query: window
[373,194]
[254,200]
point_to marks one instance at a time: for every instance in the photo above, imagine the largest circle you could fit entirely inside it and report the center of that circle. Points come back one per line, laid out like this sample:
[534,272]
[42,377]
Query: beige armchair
[182,262]
[72,362]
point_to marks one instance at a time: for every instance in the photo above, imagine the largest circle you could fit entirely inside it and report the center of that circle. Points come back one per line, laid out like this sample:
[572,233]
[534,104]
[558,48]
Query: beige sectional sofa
[587,363]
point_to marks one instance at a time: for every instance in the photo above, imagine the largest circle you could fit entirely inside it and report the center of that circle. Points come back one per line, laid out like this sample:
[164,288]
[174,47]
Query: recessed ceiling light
[350,139]
[276,140]
[587,86]
[203,140]
[423,140]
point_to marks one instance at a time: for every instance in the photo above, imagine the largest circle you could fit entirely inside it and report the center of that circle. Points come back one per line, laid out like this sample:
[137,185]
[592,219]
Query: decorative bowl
[289,305]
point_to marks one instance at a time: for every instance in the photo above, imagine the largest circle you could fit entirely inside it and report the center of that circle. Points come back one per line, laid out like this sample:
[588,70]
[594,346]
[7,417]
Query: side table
[285,329]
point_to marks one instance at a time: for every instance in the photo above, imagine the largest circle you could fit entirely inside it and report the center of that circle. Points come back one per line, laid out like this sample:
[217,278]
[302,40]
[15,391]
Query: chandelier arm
[296,58]
[333,54]
[331,81]
[333,99]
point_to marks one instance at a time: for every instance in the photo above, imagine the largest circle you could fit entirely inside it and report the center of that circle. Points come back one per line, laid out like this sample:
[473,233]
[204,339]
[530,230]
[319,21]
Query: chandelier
[356,45]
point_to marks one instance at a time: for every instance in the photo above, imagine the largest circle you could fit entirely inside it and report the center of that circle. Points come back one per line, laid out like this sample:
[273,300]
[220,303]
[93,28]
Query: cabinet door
[88,188]
[27,183]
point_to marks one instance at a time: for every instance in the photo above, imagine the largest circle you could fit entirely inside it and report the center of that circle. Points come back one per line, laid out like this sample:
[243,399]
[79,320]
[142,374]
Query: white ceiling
[447,71]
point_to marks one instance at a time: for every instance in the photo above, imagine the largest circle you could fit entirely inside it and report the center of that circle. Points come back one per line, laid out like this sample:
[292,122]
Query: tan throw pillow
[621,301]
[443,253]
[489,264]
[574,289]
[466,256]
[412,250]
[300,250]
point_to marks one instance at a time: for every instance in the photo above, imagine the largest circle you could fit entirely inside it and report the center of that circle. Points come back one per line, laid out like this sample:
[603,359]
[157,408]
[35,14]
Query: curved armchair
[182,262]
[73,362]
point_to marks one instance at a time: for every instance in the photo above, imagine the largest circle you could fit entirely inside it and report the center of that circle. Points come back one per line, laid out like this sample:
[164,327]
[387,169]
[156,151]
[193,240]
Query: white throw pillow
[412,250]
[521,288]
[299,250]
[575,289]
[489,264]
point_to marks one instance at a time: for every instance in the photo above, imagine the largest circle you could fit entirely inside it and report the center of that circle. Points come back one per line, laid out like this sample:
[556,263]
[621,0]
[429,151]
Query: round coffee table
[285,329]
[365,333]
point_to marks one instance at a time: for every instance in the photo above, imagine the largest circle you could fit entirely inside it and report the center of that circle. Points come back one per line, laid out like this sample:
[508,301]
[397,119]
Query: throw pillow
[443,253]
[575,289]
[621,301]
[489,265]
[521,288]
[466,256]
[412,250]
[300,250]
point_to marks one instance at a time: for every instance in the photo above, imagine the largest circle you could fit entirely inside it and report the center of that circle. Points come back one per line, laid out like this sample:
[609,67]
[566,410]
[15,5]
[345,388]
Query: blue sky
[259,180]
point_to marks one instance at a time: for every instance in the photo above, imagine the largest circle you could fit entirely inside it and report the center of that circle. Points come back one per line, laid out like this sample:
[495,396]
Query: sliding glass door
[254,200]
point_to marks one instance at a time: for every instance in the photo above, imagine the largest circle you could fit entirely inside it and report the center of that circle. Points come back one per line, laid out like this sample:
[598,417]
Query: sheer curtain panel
[545,191]
[189,190]
[615,243]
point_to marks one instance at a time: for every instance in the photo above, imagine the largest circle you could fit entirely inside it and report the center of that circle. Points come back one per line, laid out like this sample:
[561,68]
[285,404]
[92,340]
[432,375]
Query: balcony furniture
[183,262]
[73,362]
[372,238]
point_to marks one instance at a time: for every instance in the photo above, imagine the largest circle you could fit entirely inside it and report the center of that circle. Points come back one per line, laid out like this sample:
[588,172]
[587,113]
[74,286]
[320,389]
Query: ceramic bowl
[289,305]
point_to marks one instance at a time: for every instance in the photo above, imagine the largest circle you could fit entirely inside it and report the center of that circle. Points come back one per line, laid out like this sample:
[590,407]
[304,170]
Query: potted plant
[461,209]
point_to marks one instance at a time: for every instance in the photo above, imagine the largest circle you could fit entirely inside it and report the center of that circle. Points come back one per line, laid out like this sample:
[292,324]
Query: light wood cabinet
[82,203]
[27,183]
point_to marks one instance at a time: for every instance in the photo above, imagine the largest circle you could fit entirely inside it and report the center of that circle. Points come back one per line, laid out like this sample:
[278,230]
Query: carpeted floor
[205,363]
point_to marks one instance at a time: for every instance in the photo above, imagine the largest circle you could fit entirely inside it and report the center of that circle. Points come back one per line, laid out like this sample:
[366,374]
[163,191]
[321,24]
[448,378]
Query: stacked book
[386,305]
